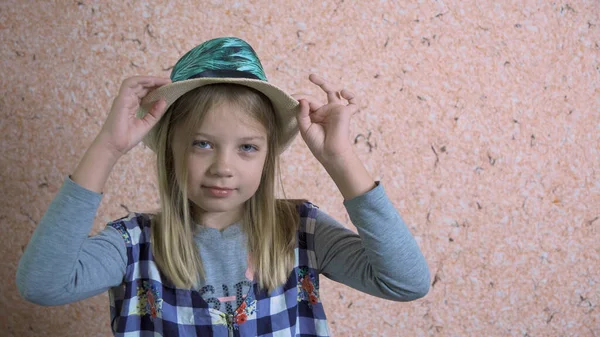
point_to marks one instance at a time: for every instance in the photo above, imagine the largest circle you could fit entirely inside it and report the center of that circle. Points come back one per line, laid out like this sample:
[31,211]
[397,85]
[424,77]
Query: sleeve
[61,264]
[383,260]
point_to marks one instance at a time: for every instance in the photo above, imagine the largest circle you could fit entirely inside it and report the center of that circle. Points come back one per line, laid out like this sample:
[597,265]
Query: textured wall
[480,117]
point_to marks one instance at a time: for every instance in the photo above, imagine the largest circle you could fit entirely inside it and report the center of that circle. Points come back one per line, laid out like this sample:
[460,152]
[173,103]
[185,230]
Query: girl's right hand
[122,129]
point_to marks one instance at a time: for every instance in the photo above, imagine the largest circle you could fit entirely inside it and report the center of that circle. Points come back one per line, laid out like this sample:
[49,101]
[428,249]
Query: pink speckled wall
[482,119]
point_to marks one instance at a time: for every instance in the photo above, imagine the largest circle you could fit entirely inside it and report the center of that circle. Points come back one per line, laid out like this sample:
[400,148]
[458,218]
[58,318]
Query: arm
[384,260]
[61,263]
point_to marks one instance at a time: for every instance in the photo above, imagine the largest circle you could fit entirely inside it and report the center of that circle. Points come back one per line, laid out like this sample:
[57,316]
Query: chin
[217,206]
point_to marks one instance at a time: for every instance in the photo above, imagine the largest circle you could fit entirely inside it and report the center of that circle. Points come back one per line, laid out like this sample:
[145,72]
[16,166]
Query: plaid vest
[147,304]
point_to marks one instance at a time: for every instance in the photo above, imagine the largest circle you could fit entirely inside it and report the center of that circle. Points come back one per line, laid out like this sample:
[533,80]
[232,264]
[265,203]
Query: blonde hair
[270,224]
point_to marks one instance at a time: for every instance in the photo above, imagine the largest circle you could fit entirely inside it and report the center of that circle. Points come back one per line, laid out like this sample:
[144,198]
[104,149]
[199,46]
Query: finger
[156,112]
[317,118]
[150,81]
[142,92]
[352,101]
[333,95]
[313,103]
[314,106]
[349,96]
[303,117]
[139,83]
[300,96]
[152,84]
[317,115]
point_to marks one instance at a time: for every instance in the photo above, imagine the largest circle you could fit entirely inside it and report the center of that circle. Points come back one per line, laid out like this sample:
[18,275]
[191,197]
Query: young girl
[222,256]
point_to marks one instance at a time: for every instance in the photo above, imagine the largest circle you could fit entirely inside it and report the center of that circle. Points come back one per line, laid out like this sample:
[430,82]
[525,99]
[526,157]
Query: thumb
[154,115]
[303,117]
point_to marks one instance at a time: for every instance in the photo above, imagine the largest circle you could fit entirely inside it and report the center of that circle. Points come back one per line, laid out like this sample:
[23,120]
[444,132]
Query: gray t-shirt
[62,264]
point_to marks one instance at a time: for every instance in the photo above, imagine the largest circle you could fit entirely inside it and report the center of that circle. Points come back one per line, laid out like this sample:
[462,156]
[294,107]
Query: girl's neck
[217,220]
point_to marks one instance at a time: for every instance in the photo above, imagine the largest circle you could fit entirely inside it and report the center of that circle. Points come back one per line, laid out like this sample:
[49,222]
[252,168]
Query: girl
[222,256]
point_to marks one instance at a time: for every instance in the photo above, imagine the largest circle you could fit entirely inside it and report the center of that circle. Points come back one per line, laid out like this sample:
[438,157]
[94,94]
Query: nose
[221,165]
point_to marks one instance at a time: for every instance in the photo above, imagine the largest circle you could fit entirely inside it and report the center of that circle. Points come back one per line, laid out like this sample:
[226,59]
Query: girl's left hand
[325,128]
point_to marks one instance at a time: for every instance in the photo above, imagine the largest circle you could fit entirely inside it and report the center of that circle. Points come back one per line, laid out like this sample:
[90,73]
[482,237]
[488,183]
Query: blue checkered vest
[147,304]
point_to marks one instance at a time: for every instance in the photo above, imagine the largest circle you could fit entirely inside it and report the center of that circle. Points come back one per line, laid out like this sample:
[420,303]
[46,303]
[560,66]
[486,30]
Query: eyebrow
[245,139]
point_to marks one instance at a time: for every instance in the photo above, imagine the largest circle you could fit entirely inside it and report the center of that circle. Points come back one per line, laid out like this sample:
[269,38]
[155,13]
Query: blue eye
[248,148]
[202,144]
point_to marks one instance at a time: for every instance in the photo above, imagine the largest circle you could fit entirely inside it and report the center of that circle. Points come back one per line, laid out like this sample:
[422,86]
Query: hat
[223,60]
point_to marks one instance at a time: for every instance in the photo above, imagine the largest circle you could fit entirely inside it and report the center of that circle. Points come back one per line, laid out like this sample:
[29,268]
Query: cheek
[195,171]
[256,170]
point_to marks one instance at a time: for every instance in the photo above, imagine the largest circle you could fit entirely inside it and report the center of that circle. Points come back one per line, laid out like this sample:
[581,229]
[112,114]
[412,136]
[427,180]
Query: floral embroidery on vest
[120,227]
[150,302]
[308,286]
[247,310]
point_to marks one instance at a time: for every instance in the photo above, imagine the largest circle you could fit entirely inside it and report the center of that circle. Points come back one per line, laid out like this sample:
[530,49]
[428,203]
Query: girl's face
[225,164]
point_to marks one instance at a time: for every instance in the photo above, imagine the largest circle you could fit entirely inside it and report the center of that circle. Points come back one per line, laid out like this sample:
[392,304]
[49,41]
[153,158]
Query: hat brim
[285,106]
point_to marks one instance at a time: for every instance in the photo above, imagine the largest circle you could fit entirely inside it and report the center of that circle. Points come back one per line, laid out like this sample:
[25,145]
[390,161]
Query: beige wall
[484,122]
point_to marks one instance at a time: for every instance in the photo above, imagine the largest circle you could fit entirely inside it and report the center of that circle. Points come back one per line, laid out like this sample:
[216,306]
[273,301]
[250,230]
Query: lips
[219,188]
[219,191]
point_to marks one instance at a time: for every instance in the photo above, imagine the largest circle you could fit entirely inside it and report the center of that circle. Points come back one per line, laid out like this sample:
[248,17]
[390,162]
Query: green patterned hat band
[224,57]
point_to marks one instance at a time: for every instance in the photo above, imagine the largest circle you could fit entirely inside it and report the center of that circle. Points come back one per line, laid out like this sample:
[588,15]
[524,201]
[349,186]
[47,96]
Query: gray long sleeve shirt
[62,264]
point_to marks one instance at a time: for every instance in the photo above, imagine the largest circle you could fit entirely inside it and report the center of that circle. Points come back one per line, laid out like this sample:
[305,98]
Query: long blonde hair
[270,224]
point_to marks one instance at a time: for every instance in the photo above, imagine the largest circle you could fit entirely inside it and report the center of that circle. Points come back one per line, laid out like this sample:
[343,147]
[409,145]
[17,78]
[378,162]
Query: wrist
[350,175]
[95,167]
[339,160]
[102,148]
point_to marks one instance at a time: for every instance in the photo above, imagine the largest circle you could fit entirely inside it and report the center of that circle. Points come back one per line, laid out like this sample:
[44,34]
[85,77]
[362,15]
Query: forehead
[231,119]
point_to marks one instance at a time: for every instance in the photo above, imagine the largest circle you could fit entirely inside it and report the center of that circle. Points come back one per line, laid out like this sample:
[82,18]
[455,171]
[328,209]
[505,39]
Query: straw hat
[224,60]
